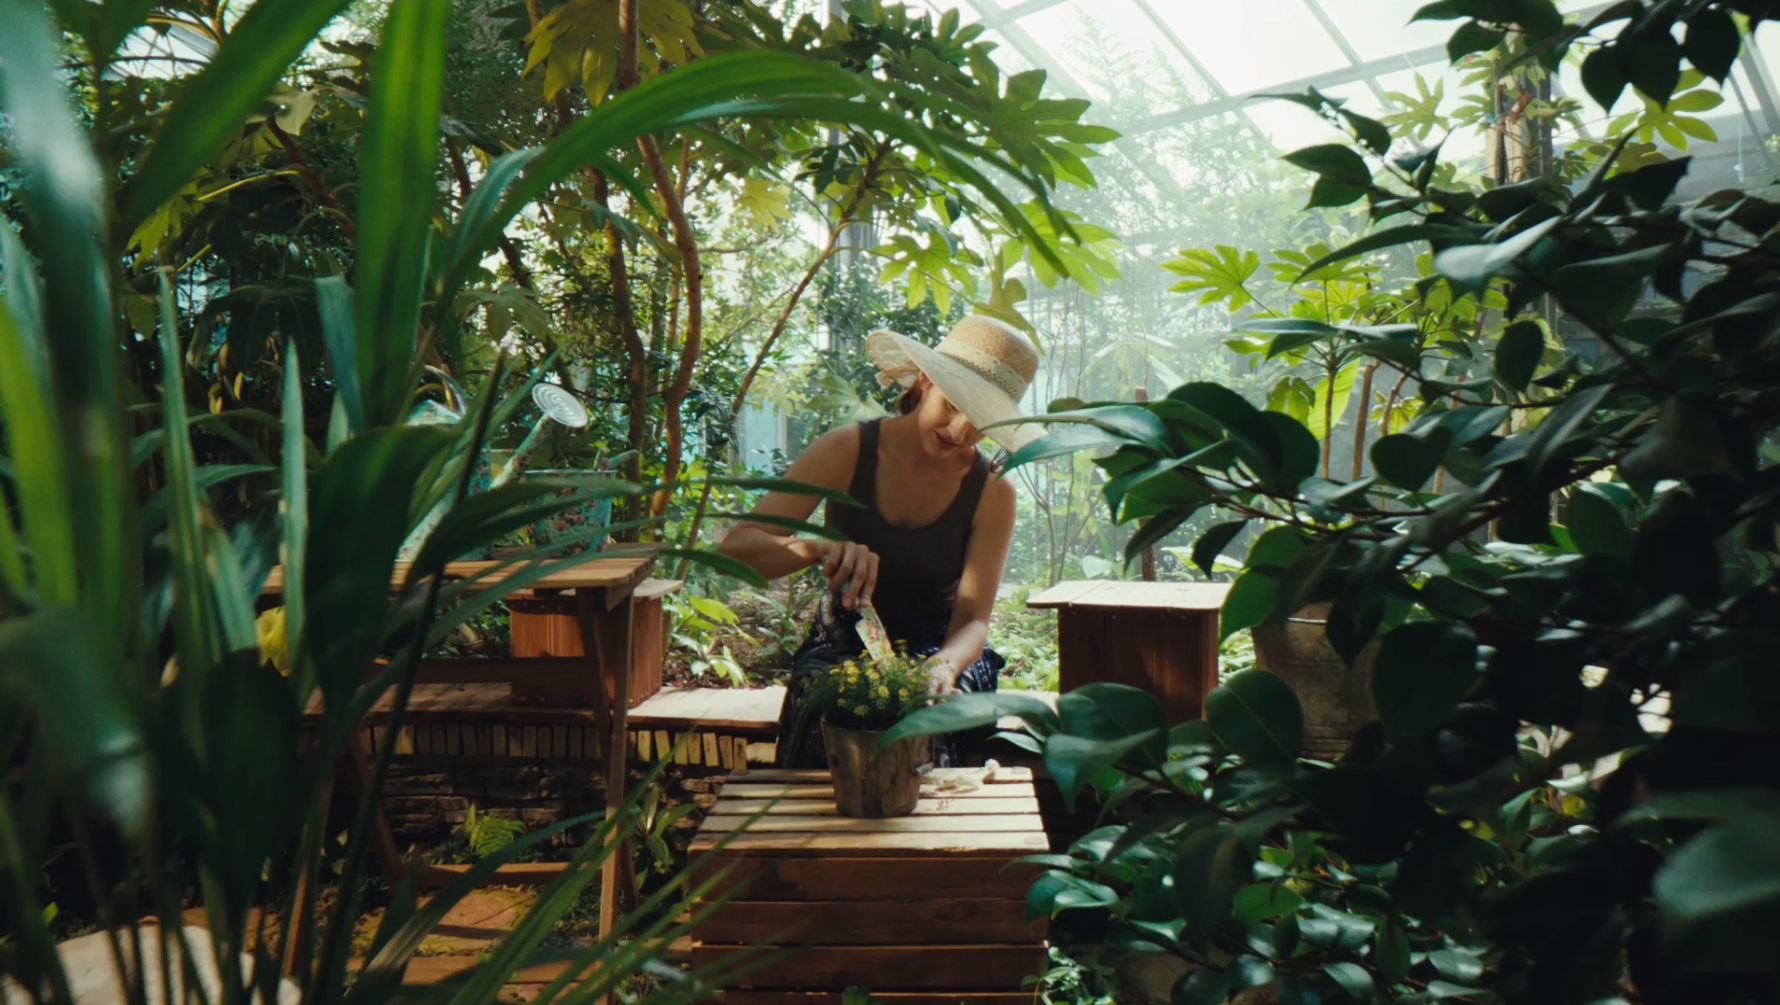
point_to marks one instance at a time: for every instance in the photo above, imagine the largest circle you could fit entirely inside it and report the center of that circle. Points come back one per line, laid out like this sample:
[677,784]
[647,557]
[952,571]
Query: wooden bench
[928,909]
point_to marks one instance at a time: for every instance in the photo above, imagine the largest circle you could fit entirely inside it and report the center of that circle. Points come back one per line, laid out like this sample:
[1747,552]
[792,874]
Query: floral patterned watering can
[557,404]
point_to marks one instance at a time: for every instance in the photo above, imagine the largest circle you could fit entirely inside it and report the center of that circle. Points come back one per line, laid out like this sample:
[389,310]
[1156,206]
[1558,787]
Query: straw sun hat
[982,366]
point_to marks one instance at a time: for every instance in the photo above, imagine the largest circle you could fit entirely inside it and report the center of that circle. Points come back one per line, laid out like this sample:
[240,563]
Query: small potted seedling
[858,701]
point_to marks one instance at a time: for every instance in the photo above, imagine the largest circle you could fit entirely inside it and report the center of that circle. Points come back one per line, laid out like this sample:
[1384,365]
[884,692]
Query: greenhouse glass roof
[1158,67]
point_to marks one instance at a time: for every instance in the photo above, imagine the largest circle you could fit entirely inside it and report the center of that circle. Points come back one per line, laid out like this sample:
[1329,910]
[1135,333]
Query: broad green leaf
[1248,603]
[214,103]
[1596,524]
[1518,352]
[1422,670]
[398,159]
[799,526]
[973,711]
[1712,42]
[41,479]
[1471,267]
[1106,711]
[1213,863]
[1353,979]
[1408,460]
[1075,762]
[1212,543]
[1259,901]
[1256,715]
[1334,161]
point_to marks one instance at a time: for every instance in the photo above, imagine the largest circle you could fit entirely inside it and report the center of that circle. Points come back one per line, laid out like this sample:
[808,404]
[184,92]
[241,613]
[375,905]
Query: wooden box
[1160,637]
[552,626]
[927,909]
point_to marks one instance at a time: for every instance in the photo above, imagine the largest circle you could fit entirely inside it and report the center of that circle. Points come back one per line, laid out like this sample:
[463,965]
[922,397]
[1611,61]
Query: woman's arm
[991,535]
[773,551]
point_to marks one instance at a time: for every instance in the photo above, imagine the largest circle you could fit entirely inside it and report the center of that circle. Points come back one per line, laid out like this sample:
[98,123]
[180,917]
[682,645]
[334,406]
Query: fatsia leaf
[1216,274]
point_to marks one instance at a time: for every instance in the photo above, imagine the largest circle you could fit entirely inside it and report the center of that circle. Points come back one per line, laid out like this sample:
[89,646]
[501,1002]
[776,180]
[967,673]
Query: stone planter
[1337,699]
[886,784]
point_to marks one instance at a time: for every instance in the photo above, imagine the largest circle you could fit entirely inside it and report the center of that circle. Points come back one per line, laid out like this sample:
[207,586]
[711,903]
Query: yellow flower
[883,692]
[904,693]
[861,711]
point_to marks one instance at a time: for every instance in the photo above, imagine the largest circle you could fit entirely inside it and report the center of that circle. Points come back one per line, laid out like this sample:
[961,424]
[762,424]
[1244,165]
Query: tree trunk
[1360,422]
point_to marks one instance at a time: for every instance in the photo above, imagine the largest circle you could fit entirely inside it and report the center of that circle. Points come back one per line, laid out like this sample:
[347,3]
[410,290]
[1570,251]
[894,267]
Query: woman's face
[945,432]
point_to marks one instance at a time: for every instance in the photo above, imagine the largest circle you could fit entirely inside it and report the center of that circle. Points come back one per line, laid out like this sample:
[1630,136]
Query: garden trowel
[872,633]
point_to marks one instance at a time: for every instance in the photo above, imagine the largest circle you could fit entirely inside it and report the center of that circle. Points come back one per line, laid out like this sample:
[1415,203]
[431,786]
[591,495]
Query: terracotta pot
[1337,699]
[886,784]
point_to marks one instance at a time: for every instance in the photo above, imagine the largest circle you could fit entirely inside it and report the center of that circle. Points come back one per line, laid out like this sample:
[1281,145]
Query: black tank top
[918,567]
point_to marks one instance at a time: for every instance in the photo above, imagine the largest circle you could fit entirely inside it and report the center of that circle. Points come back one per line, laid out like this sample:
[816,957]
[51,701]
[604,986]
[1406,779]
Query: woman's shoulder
[829,459]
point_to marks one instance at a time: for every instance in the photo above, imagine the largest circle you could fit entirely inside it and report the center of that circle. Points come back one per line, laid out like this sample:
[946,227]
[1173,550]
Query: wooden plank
[881,967]
[754,996]
[726,752]
[1132,596]
[738,709]
[991,844]
[695,751]
[870,923]
[531,742]
[559,741]
[511,874]
[645,744]
[926,807]
[935,777]
[746,788]
[741,757]
[710,745]
[423,740]
[438,740]
[575,743]
[1063,594]
[454,741]
[434,969]
[498,670]
[595,570]
[498,734]
[652,589]
[809,823]
[866,879]
[405,741]
[663,745]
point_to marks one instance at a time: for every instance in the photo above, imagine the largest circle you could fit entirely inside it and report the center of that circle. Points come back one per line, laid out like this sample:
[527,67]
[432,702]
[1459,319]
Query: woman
[927,543]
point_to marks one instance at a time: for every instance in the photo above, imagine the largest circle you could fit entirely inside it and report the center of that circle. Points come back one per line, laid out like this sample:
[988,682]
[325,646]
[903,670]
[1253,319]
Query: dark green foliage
[1544,555]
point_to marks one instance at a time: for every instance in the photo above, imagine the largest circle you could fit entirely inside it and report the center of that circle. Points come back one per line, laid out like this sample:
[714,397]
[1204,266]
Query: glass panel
[1381,28]
[1254,44]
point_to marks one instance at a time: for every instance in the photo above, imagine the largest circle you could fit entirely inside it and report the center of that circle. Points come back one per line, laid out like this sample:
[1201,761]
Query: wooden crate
[1160,637]
[922,909]
[552,626]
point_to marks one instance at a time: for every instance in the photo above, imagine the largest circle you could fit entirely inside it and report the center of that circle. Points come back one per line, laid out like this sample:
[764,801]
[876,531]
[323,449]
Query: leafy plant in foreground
[1571,794]
[156,742]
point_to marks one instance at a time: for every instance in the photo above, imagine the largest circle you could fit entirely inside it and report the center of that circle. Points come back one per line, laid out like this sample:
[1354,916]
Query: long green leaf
[213,105]
[64,192]
[41,479]
[397,161]
[293,513]
[334,303]
[196,638]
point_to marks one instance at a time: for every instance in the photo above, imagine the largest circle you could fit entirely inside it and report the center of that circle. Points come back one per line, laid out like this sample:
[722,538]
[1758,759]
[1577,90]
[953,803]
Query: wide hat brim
[984,403]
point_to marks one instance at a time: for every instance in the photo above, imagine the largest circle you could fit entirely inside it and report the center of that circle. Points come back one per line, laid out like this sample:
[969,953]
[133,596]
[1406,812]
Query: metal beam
[1029,49]
[1333,30]
[1185,53]
[1757,72]
[1016,12]
[1333,78]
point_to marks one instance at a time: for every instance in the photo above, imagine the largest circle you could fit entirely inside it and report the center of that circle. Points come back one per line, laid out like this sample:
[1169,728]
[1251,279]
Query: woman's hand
[852,570]
[942,676]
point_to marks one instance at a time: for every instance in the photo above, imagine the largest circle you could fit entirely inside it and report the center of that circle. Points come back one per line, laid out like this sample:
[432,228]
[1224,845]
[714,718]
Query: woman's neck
[899,439]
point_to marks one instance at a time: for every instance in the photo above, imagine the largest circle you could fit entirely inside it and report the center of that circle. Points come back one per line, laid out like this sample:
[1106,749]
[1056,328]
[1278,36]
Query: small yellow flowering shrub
[867,693]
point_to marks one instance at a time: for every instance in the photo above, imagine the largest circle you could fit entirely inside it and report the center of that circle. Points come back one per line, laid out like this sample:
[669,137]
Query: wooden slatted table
[927,909]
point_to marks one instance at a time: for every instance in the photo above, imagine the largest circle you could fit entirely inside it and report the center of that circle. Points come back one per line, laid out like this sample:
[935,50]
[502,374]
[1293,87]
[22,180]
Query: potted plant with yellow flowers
[858,700]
